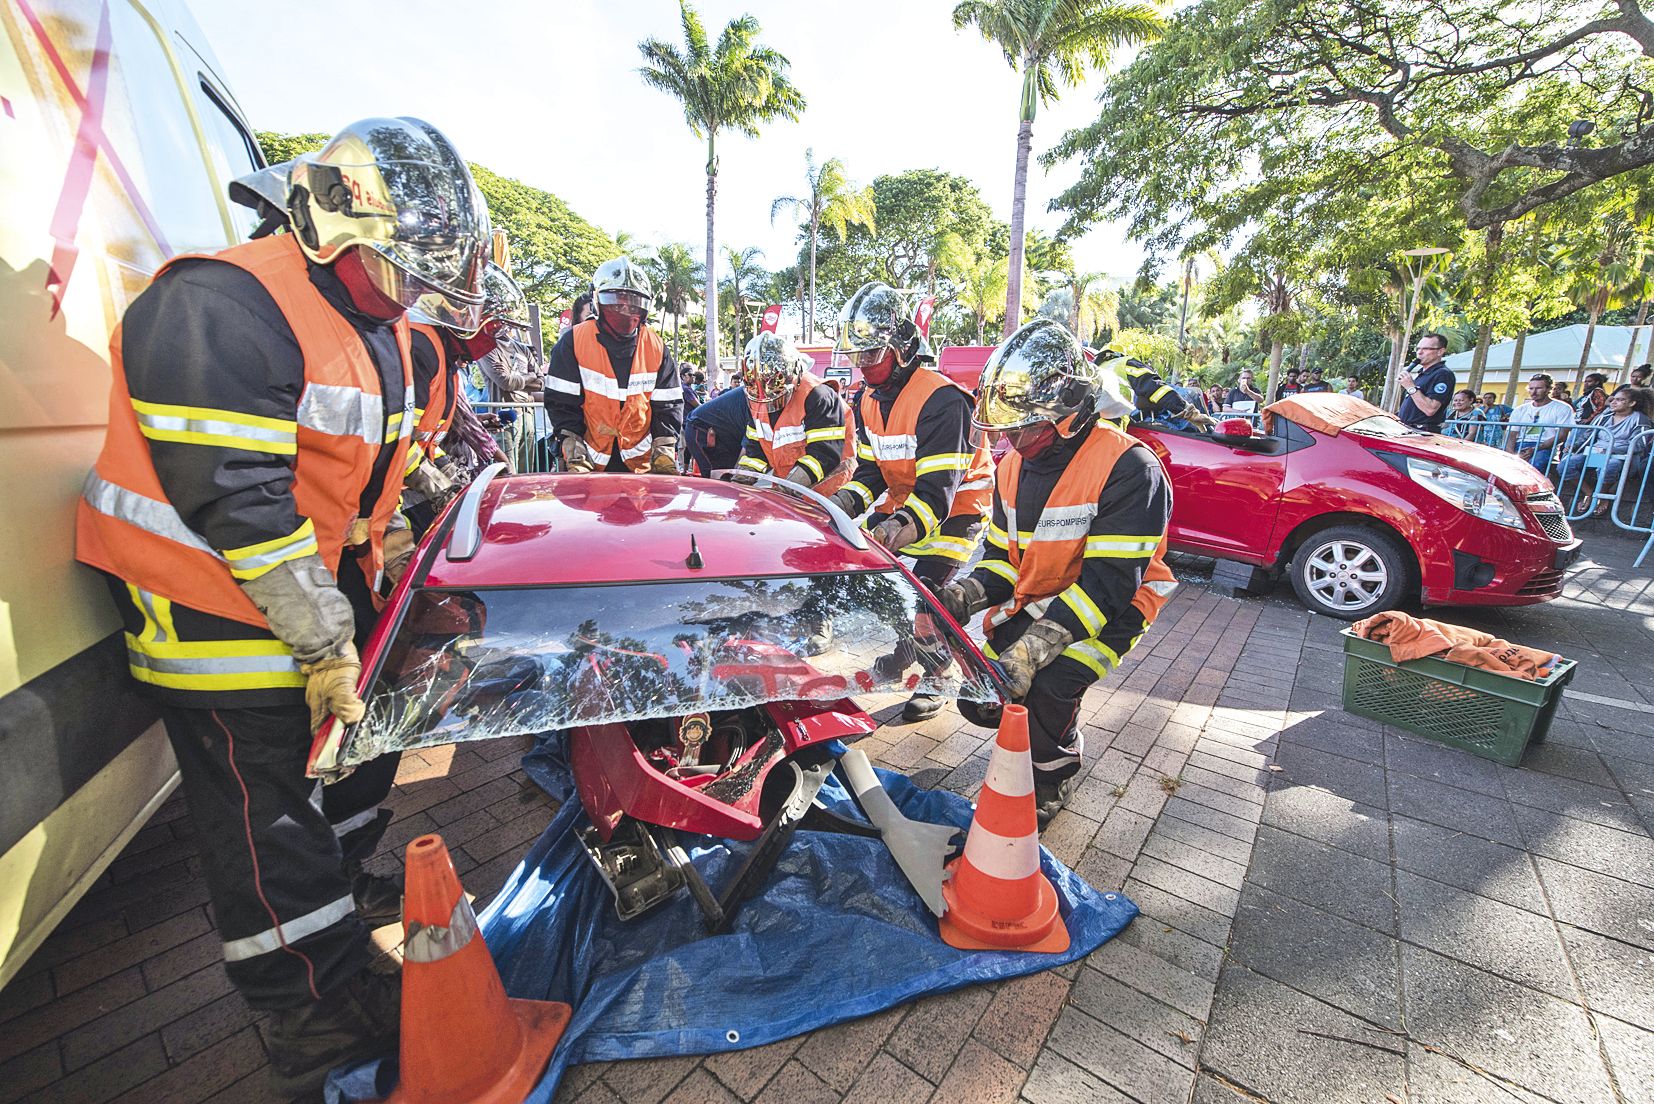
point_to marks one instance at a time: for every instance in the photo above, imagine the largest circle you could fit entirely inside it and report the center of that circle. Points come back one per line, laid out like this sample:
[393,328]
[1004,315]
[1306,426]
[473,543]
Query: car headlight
[1472,494]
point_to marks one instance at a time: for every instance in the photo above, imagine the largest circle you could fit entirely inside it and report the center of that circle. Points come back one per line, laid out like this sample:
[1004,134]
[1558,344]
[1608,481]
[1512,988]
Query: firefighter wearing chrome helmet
[1152,396]
[921,469]
[613,394]
[1074,568]
[797,423]
[260,422]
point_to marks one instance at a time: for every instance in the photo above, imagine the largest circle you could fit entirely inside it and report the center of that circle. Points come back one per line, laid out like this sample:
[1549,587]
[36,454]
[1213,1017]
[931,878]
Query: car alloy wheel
[1349,572]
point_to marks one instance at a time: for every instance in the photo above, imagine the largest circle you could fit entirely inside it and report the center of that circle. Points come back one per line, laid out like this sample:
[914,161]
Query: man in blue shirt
[715,431]
[1428,392]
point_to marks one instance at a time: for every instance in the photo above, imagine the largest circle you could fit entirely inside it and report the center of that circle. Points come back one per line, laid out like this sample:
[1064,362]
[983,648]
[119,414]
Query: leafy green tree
[677,277]
[829,200]
[980,284]
[735,85]
[1048,41]
[280,148]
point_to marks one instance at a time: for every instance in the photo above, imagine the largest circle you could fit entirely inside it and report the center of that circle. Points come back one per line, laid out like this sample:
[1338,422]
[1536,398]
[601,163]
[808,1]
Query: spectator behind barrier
[1534,426]
[1618,439]
[1464,417]
[1495,414]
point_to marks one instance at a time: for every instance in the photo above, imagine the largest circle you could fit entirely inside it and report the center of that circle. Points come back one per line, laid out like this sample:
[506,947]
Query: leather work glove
[801,475]
[848,501]
[896,532]
[1043,642]
[330,688]
[399,549]
[432,482]
[1204,421]
[302,603]
[663,458]
[963,598]
[573,449]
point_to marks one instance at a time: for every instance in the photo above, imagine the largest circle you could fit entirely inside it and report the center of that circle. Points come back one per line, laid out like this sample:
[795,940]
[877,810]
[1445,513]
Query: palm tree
[633,246]
[676,274]
[830,200]
[746,277]
[1096,305]
[1046,40]
[981,284]
[734,86]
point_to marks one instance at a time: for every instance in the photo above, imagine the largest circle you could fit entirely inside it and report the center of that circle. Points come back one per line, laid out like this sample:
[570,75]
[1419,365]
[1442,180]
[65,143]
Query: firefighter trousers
[279,892]
[1053,701]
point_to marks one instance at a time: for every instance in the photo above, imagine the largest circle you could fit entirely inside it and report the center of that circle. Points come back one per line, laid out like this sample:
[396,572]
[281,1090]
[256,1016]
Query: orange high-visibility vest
[613,415]
[126,526]
[1049,555]
[787,438]
[433,420]
[895,448]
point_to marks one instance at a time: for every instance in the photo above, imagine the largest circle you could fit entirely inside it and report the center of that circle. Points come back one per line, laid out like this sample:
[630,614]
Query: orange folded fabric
[1410,637]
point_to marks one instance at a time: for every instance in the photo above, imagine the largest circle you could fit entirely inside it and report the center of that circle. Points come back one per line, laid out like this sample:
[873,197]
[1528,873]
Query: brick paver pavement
[1332,910]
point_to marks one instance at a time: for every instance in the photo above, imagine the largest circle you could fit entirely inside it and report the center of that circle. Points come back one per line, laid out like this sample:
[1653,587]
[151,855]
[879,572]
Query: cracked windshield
[473,665]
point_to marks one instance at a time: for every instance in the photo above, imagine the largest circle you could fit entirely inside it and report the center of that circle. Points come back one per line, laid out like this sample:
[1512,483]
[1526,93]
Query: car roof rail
[466,536]
[843,524]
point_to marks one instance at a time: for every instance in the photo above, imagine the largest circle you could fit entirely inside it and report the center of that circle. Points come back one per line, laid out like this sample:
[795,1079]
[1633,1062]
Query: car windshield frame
[1379,425]
[412,714]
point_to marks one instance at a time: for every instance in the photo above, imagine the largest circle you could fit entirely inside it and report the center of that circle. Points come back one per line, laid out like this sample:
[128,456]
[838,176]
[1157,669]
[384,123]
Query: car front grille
[1548,510]
[1546,582]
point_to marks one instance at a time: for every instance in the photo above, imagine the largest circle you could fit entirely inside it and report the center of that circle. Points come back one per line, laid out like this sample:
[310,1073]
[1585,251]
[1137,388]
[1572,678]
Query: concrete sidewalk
[1332,911]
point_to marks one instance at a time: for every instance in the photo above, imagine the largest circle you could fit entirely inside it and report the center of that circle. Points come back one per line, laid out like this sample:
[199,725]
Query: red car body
[1258,500]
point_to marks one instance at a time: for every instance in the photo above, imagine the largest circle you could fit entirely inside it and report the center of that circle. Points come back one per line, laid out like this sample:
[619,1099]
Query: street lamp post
[1420,264]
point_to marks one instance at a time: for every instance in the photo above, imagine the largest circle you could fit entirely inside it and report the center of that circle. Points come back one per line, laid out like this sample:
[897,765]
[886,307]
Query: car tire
[1351,571]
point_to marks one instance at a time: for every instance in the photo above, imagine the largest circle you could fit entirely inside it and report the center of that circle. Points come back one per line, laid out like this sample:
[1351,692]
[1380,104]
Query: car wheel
[1350,571]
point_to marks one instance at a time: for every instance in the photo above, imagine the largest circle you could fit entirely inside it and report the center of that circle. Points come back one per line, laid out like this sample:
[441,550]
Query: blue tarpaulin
[836,934]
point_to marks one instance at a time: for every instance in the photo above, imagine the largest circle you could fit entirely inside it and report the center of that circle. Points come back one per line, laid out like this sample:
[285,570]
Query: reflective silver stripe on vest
[288,932]
[140,511]
[430,943]
[600,383]
[345,412]
[888,447]
[639,449]
[212,665]
[1063,523]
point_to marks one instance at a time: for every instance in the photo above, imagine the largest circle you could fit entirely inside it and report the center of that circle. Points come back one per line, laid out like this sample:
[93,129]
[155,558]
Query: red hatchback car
[1362,512]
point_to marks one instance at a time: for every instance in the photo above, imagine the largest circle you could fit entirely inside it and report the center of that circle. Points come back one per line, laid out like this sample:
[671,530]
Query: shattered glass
[479,664]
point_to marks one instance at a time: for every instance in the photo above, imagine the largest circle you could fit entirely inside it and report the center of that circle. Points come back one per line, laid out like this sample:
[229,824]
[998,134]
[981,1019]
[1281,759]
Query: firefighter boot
[354,1021]
[1050,797]
[922,706]
[378,899]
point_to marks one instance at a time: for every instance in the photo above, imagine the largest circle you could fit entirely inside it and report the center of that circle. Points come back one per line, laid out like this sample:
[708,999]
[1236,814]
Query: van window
[230,147]
[149,124]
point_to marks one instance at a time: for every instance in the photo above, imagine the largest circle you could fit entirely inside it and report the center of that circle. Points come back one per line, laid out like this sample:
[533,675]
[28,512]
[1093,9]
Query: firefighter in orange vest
[260,420]
[796,426]
[613,394]
[1074,571]
[921,468]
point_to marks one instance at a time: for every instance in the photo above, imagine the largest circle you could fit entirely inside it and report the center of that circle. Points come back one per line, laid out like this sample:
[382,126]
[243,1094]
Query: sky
[548,93]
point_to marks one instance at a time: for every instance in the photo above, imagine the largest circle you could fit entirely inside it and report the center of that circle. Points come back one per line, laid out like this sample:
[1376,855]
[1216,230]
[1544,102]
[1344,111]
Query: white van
[118,137]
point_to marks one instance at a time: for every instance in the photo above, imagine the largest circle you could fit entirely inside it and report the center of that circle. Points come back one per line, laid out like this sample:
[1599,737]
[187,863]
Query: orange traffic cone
[997,898]
[463,1040]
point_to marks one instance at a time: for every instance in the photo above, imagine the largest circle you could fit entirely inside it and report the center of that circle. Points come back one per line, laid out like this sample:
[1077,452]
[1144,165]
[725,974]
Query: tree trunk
[979,334]
[1303,356]
[711,255]
[810,323]
[1631,346]
[1598,301]
[1484,332]
[1019,200]
[1276,349]
[675,338]
[1515,368]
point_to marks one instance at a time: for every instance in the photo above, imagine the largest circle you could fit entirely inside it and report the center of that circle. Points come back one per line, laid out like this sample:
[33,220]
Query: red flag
[921,317]
[772,318]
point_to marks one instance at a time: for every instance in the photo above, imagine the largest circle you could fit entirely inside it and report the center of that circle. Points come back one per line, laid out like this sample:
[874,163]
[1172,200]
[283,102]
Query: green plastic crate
[1492,715]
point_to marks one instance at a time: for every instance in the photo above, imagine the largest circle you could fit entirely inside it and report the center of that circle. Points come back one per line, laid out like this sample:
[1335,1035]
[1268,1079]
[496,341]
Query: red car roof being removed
[545,530]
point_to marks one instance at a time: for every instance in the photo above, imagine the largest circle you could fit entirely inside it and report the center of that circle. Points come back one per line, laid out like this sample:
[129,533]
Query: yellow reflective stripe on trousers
[213,664]
[1098,656]
[1076,599]
[257,559]
[202,425]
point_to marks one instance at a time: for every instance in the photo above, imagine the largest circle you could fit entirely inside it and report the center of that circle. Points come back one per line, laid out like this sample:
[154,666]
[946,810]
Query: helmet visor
[424,219]
[418,297]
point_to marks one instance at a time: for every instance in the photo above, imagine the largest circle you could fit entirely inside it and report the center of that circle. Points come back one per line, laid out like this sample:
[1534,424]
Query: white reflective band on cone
[1011,775]
[999,857]
[432,943]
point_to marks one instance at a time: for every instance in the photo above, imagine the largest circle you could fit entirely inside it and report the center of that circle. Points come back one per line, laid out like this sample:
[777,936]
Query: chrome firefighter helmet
[875,319]
[265,191]
[398,189]
[622,295]
[1040,374]
[771,370]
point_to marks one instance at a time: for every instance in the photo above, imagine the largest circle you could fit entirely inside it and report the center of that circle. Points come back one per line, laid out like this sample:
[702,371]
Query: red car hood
[1507,468]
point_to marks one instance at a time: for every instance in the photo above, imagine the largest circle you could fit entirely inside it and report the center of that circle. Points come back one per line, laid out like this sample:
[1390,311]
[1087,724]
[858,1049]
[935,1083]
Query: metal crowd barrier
[525,437]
